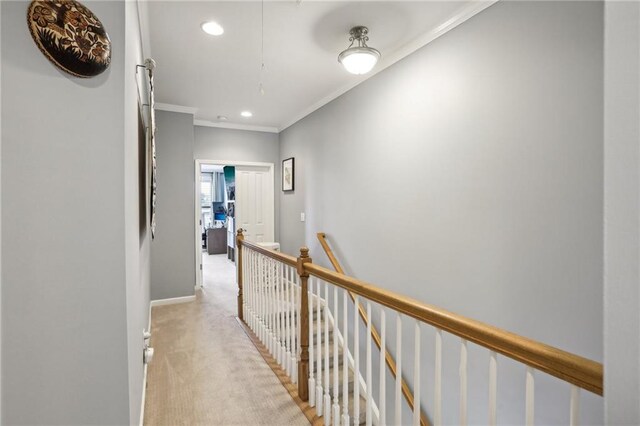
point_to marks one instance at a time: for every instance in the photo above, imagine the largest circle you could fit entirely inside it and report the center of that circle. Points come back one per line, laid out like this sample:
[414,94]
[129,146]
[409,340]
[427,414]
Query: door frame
[198,236]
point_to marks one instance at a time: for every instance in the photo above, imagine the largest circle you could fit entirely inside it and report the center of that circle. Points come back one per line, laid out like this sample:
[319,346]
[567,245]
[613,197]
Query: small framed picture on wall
[288,174]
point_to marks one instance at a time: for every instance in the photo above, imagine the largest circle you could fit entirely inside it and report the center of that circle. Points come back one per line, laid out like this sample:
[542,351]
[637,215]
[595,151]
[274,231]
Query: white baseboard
[173,301]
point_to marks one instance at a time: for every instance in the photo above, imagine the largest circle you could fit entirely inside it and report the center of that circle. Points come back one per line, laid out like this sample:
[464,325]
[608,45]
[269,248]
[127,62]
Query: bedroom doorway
[230,193]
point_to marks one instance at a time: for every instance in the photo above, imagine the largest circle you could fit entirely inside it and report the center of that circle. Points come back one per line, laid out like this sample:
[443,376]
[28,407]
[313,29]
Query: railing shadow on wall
[278,300]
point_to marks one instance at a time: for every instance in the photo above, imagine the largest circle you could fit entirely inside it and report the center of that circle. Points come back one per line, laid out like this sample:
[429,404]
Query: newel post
[239,240]
[303,365]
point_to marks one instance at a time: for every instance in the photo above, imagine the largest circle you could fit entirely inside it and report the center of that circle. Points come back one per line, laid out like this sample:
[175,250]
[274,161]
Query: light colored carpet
[205,370]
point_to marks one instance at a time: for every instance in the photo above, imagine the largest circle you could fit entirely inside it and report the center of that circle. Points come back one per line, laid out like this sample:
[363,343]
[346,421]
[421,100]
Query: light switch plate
[302,217]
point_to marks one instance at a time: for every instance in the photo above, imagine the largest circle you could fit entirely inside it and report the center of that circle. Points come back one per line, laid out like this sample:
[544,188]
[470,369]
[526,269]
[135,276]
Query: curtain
[218,193]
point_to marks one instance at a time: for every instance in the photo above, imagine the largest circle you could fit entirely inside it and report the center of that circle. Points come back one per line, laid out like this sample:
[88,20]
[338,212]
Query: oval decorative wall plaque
[70,35]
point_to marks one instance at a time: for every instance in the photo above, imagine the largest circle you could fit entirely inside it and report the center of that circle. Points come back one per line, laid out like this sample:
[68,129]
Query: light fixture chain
[261,86]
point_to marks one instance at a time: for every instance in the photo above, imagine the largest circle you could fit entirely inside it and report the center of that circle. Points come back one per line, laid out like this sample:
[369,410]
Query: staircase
[325,367]
[300,313]
[278,330]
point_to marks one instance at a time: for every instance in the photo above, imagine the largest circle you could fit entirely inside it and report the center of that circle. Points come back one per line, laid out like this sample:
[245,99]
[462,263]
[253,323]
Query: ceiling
[220,76]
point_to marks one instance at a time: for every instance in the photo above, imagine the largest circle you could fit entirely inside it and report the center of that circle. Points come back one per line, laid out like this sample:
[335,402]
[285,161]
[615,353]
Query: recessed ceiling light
[246,114]
[213,28]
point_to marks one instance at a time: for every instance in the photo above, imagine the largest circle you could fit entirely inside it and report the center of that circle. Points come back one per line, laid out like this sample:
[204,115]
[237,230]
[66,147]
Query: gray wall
[470,175]
[173,249]
[136,243]
[241,145]
[622,209]
[0,218]
[66,280]
[179,144]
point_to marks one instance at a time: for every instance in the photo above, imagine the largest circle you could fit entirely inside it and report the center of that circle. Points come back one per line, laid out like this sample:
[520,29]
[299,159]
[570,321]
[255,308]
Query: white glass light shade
[359,60]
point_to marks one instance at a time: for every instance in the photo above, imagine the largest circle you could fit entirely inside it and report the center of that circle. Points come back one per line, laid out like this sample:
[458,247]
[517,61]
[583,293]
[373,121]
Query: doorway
[231,195]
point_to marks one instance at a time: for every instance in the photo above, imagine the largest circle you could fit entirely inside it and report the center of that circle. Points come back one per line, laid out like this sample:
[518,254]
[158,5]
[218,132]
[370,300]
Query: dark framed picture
[288,174]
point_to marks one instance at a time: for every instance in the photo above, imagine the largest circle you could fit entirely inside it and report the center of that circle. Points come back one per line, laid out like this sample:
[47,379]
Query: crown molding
[235,126]
[175,108]
[463,14]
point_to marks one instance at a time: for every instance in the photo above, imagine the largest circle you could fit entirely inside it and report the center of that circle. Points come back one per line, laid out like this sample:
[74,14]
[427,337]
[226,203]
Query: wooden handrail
[322,237]
[275,255]
[391,363]
[571,368]
[582,372]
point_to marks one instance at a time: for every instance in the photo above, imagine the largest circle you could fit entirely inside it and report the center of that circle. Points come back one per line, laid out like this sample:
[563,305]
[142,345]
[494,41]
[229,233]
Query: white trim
[201,161]
[172,301]
[144,394]
[0,233]
[198,237]
[460,16]
[235,126]
[175,108]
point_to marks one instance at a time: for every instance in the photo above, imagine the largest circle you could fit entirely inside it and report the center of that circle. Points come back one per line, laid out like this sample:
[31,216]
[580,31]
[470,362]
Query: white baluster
[574,412]
[398,404]
[296,297]
[245,277]
[383,355]
[251,286]
[270,309]
[253,291]
[256,299]
[280,318]
[463,382]
[260,299]
[369,405]
[319,393]
[247,289]
[292,321]
[254,302]
[272,297]
[247,286]
[529,407]
[437,381]
[345,360]
[336,370]
[283,295]
[266,300]
[356,362]
[263,300]
[276,311]
[416,377]
[287,322]
[327,378]
[493,389]
[312,380]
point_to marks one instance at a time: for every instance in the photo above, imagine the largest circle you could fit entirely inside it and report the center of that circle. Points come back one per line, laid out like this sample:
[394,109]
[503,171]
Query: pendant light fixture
[359,59]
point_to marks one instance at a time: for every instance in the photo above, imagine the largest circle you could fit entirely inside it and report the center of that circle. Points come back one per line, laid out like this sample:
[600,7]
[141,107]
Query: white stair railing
[304,335]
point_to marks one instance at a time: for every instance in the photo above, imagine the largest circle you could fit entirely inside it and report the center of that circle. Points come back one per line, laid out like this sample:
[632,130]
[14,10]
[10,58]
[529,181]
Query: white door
[254,203]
